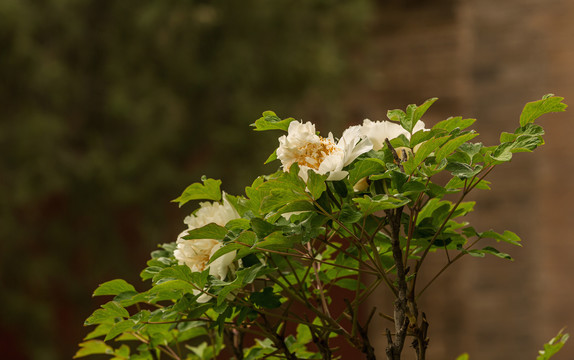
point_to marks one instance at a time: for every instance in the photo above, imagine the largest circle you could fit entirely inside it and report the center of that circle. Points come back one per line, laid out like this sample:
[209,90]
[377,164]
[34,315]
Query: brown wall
[485,59]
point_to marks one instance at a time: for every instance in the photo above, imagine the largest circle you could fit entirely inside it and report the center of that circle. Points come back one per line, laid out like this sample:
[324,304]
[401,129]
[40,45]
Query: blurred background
[109,109]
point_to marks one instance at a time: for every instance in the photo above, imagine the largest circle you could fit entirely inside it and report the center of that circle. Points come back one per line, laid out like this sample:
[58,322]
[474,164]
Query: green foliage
[299,238]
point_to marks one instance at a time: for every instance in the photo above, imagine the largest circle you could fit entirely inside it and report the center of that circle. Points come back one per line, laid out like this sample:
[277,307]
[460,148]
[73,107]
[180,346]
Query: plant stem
[401,311]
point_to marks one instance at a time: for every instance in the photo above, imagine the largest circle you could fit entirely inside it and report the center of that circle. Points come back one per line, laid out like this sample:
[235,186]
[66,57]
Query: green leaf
[93,347]
[209,231]
[238,224]
[453,123]
[172,286]
[506,236]
[123,353]
[470,150]
[457,183]
[243,277]
[100,330]
[535,109]
[304,334]
[431,206]
[507,137]
[463,171]
[364,168]
[113,287]
[109,312]
[463,357]
[285,188]
[209,190]
[199,310]
[407,122]
[349,214]
[503,152]
[398,179]
[271,157]
[278,241]
[316,183]
[242,243]
[369,205]
[396,115]
[553,346]
[119,328]
[530,129]
[178,272]
[414,114]
[495,252]
[422,109]
[423,152]
[450,146]
[270,121]
[266,298]
[296,206]
[262,228]
[475,253]
[412,189]
[422,136]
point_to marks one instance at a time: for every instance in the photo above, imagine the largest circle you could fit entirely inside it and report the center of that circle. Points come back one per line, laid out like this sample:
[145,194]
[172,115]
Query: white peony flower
[214,212]
[197,252]
[303,146]
[378,131]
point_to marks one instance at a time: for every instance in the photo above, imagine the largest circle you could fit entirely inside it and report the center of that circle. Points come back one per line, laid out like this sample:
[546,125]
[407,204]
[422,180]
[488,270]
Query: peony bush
[285,270]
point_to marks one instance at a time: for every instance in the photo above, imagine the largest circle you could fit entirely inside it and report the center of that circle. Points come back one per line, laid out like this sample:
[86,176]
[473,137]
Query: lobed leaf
[119,328]
[535,109]
[462,170]
[209,231]
[209,190]
[172,286]
[316,183]
[423,152]
[278,241]
[177,272]
[349,214]
[396,115]
[93,347]
[422,109]
[108,312]
[453,123]
[369,205]
[495,252]
[113,287]
[270,121]
[364,168]
[450,146]
[506,236]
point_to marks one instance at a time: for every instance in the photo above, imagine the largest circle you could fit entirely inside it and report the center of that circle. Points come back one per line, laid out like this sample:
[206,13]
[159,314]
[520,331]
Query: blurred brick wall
[485,59]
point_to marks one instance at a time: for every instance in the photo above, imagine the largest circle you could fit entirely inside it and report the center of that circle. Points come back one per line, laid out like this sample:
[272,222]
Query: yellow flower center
[313,154]
[202,261]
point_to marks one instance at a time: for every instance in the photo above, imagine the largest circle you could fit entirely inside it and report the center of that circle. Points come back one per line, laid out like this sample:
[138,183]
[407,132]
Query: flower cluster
[322,155]
[301,145]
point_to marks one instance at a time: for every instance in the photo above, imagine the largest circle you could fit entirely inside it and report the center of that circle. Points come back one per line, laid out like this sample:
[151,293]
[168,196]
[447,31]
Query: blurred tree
[110,108]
